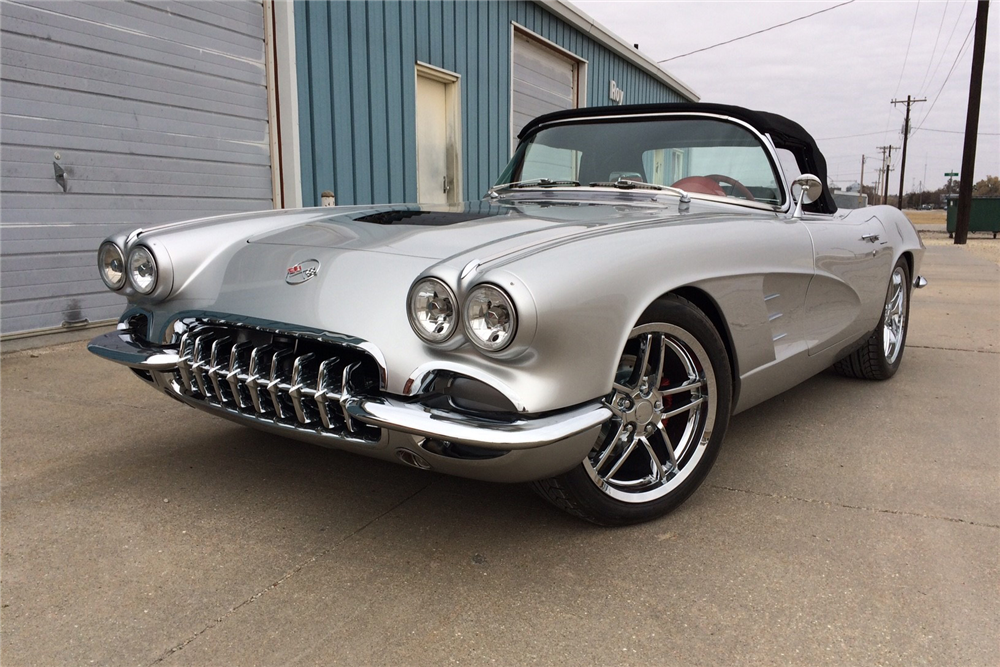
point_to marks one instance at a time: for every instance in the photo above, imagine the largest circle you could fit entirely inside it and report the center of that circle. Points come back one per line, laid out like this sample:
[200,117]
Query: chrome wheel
[894,320]
[879,357]
[664,404]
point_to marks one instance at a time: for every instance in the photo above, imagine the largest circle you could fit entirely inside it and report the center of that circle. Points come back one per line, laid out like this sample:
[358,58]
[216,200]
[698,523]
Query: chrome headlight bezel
[474,299]
[413,316]
[131,267]
[107,254]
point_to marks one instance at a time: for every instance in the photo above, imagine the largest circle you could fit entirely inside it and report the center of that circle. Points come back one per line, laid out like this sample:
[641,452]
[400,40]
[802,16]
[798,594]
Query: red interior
[701,185]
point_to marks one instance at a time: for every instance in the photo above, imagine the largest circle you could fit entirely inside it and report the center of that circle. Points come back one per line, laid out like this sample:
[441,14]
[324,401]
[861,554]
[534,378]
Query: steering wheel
[737,186]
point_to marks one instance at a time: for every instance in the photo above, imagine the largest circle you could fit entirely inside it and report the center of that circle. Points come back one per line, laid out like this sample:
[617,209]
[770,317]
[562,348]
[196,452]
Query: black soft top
[785,133]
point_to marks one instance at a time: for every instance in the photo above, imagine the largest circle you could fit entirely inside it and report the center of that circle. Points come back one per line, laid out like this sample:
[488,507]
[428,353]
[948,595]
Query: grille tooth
[278,378]
[184,362]
[201,363]
[215,368]
[326,390]
[260,358]
[345,393]
[300,371]
[238,360]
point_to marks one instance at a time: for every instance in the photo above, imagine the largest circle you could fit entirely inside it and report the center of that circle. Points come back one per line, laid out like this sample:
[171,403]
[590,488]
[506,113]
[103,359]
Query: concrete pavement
[845,522]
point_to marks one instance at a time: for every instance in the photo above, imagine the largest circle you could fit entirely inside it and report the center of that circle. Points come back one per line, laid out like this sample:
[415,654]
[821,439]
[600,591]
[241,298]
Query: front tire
[671,400]
[880,356]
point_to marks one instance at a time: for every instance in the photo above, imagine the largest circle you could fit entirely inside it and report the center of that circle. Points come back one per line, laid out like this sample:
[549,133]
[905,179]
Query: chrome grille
[298,381]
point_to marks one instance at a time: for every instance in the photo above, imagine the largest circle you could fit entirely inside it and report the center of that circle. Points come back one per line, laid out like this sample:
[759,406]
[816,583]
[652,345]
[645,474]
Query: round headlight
[112,265]
[490,318]
[433,310]
[142,269]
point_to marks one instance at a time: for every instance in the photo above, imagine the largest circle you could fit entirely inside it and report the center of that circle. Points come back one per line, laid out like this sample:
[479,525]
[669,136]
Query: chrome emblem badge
[302,272]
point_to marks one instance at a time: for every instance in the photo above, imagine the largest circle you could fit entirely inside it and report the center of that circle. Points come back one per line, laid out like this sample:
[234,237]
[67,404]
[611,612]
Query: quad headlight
[490,318]
[433,310]
[111,263]
[142,269]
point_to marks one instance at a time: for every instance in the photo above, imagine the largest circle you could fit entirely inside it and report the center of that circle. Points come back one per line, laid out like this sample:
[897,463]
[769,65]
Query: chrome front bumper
[162,363]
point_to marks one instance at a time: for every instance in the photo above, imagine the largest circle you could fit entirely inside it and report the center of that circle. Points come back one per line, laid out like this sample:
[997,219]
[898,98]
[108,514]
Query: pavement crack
[877,510]
[285,577]
[954,349]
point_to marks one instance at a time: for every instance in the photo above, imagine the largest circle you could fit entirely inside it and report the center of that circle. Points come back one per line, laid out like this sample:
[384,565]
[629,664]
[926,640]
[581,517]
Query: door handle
[871,238]
[60,175]
[444,185]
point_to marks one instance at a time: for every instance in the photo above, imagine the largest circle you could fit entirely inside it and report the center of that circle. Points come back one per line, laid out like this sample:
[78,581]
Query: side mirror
[810,188]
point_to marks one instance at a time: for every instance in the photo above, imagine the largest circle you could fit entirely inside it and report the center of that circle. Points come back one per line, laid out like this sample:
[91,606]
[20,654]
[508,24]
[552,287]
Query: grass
[938,217]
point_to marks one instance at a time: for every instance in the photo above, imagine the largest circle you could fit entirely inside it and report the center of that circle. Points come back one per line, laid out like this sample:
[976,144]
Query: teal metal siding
[357,88]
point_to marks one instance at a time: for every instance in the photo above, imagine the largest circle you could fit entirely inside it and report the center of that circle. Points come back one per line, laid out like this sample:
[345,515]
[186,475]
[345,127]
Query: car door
[853,256]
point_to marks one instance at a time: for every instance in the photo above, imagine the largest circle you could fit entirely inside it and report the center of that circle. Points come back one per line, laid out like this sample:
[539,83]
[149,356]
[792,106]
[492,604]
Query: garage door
[544,80]
[152,112]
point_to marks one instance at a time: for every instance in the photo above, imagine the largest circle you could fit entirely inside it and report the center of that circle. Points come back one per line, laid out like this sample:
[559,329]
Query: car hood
[471,229]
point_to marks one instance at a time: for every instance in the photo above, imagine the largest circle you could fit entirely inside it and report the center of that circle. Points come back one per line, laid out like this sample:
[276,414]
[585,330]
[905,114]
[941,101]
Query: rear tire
[880,356]
[671,400]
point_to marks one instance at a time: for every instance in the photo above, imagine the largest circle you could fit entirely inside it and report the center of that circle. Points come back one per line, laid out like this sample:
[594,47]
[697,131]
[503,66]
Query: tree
[988,187]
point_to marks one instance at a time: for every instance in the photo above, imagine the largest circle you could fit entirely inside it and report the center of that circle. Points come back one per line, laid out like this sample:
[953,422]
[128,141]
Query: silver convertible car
[636,277]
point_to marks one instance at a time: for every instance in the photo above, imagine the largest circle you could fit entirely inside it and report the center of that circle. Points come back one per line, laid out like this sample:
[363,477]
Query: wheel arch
[704,302]
[908,256]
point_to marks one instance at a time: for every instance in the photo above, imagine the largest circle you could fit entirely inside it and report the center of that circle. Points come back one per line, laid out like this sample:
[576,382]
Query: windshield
[700,156]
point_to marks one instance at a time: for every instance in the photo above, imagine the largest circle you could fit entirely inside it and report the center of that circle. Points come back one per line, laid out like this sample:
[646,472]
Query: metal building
[123,114]
[113,115]
[390,90]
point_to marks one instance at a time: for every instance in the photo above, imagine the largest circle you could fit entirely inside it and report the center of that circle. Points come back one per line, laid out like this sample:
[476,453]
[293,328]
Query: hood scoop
[428,218]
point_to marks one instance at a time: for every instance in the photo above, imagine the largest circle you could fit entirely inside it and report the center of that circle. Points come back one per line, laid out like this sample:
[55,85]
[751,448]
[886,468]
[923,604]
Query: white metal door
[432,141]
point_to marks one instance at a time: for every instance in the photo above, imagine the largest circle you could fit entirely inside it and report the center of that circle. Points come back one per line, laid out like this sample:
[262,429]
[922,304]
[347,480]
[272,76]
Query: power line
[906,57]
[958,57]
[849,136]
[902,71]
[758,32]
[983,134]
[951,36]
[930,61]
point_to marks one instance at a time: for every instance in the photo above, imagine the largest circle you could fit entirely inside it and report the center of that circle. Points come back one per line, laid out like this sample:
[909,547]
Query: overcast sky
[834,73]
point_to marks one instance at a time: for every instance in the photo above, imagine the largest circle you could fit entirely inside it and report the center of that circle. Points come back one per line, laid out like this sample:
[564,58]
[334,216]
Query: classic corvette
[638,275]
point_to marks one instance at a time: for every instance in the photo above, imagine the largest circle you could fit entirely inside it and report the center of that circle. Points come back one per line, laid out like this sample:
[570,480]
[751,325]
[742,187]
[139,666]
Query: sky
[835,73]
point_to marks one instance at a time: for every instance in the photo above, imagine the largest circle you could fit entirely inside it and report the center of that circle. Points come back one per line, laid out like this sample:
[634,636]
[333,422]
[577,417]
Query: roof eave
[572,15]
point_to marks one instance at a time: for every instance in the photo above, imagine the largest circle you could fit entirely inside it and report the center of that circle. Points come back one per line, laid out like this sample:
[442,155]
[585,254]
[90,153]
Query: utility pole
[861,190]
[923,183]
[971,125]
[884,184]
[909,102]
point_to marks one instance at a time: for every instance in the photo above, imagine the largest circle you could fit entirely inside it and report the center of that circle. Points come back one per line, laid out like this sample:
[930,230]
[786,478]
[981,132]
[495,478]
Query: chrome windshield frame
[765,141]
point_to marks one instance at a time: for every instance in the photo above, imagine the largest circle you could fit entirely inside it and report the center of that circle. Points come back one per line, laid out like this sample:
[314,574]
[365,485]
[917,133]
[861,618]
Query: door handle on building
[60,174]
[444,185]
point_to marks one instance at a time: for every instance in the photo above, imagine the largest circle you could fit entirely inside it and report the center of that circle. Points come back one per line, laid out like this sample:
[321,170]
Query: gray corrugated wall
[158,111]
[357,93]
